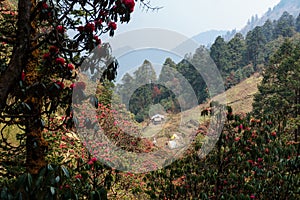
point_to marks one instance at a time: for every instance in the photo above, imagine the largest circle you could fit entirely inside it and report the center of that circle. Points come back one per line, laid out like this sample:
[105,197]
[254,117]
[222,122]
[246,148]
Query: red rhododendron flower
[129,5]
[98,41]
[250,161]
[90,27]
[61,84]
[112,25]
[60,61]
[80,28]
[79,176]
[72,85]
[70,66]
[92,161]
[45,5]
[252,196]
[60,29]
[23,76]
[53,49]
[241,126]
[273,133]
[267,150]
[237,139]
[46,56]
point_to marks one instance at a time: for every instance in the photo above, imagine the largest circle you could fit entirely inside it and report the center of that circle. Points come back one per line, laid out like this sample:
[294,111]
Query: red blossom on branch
[61,84]
[70,66]
[45,5]
[112,25]
[60,61]
[46,56]
[98,41]
[129,5]
[23,76]
[90,27]
[53,50]
[80,28]
[60,29]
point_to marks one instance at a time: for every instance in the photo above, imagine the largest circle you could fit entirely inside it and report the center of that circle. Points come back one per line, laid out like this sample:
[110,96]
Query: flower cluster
[92,161]
[60,61]
[97,40]
[60,29]
[112,25]
[90,27]
[129,4]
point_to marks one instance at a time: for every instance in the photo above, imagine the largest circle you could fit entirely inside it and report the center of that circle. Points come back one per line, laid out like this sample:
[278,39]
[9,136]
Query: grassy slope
[240,97]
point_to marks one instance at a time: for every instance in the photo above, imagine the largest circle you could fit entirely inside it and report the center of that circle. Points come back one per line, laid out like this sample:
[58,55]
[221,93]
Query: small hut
[157,119]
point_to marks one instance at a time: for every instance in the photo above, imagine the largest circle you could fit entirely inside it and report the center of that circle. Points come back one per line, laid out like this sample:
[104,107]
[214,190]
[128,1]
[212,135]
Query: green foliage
[297,24]
[137,92]
[237,48]
[260,43]
[279,91]
[219,53]
[284,25]
[255,158]
[256,42]
[248,162]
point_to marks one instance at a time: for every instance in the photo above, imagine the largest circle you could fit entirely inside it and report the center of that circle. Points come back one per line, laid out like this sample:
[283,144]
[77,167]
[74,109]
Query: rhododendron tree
[257,165]
[43,43]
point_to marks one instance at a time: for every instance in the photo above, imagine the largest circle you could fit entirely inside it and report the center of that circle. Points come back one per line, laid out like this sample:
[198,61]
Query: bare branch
[146,5]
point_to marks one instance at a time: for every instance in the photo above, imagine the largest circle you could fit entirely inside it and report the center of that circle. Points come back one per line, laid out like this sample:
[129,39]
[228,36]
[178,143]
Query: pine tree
[297,24]
[256,42]
[279,92]
[237,51]
[219,53]
[284,25]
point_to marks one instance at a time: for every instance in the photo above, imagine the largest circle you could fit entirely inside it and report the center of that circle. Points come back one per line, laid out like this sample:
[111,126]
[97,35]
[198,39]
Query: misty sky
[190,17]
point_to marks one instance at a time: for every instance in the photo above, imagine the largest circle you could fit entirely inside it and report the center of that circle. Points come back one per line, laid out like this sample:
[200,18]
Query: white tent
[157,119]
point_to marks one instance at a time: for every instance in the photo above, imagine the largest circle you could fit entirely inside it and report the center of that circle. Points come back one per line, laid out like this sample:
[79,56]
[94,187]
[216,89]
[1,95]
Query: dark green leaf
[65,170]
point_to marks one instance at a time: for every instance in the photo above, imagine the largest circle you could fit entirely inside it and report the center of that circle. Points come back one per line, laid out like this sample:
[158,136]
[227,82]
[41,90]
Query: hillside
[239,97]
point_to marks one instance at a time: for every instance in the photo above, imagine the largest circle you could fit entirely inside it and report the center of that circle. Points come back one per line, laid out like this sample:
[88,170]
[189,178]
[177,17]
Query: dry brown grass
[240,97]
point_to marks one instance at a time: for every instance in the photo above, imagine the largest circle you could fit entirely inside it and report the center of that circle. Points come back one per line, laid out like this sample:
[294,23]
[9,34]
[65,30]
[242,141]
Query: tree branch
[8,40]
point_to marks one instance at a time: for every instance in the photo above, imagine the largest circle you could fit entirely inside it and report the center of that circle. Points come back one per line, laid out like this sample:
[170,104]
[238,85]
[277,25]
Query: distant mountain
[208,37]
[130,59]
[291,6]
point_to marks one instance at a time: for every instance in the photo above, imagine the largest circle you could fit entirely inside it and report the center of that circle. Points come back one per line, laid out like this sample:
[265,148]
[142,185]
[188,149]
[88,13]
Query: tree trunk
[19,58]
[36,146]
[23,59]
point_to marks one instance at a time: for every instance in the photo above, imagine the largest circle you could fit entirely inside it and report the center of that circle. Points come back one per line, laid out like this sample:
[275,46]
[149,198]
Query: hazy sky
[190,17]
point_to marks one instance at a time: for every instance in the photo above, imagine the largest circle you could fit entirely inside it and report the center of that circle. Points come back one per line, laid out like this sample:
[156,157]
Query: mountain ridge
[291,6]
